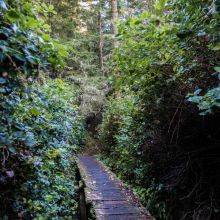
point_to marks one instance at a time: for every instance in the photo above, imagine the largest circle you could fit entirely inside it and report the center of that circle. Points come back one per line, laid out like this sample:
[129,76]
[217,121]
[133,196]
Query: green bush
[153,135]
[46,132]
[51,114]
[123,133]
[40,129]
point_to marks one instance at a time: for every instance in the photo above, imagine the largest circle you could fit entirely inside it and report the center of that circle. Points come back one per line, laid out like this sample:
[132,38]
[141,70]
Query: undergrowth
[46,133]
[40,128]
[160,127]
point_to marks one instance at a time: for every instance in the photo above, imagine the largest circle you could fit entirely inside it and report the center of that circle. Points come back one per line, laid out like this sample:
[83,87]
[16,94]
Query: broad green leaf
[217,69]
[29,140]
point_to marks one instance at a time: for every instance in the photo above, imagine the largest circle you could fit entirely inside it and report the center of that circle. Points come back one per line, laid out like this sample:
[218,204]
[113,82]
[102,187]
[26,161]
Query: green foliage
[123,134]
[55,132]
[23,18]
[77,27]
[150,124]
[81,25]
[45,132]
[84,59]
[25,43]
[208,102]
[39,126]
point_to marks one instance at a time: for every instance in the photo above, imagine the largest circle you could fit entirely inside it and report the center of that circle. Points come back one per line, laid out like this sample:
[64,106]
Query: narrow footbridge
[110,200]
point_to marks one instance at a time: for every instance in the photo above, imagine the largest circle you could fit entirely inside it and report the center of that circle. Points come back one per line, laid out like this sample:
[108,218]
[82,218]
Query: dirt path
[109,198]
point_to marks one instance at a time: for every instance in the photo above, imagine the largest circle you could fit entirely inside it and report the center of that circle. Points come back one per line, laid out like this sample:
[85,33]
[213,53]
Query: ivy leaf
[20,57]
[2,90]
[3,138]
[4,46]
[18,135]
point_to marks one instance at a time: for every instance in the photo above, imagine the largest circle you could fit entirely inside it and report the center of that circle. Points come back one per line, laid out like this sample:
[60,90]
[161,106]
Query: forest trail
[110,200]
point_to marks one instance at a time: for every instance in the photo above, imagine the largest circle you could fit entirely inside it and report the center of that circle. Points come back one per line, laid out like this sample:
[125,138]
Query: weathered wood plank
[105,192]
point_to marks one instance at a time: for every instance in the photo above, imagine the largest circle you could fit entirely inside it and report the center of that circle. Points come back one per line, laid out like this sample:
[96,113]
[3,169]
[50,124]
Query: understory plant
[123,134]
[166,143]
[48,118]
[40,129]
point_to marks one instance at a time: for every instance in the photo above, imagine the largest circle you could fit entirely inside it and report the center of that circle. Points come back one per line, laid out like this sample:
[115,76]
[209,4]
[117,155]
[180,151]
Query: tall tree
[114,5]
[101,40]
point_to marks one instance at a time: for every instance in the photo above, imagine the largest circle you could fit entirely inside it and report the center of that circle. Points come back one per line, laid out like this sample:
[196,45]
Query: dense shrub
[39,172]
[123,134]
[39,126]
[168,60]
[48,118]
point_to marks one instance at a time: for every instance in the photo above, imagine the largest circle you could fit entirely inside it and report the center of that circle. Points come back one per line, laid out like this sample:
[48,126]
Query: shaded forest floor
[93,92]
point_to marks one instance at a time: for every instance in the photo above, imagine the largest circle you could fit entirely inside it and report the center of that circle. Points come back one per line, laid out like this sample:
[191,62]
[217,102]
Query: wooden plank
[105,192]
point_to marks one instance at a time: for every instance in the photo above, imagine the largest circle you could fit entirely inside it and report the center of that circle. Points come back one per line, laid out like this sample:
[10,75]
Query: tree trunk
[114,5]
[101,41]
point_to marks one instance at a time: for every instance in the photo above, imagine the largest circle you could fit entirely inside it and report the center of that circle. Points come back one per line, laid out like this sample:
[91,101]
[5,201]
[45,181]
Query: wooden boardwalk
[105,192]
